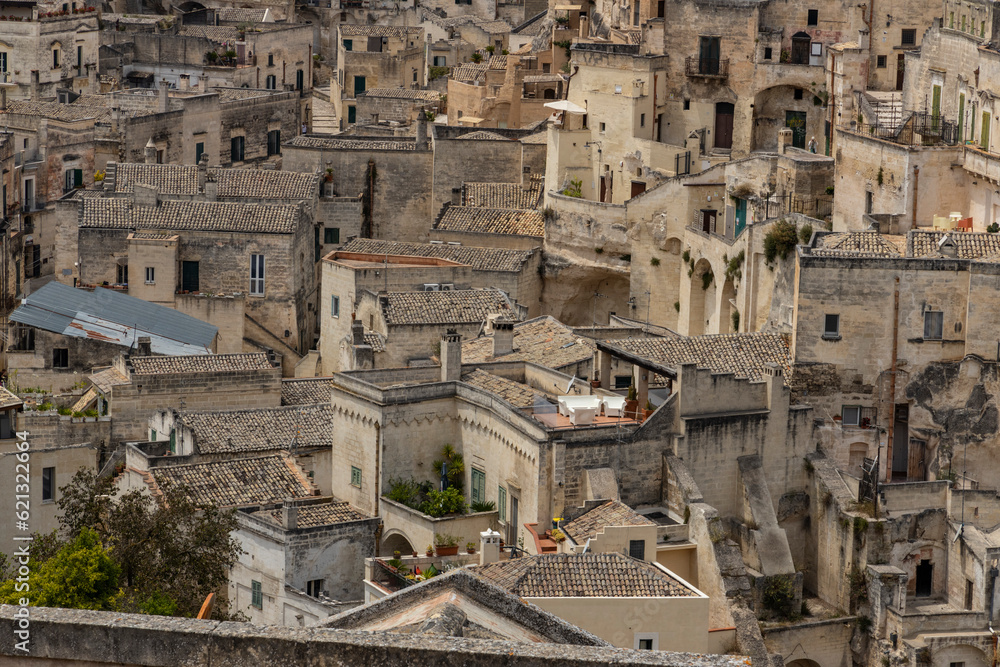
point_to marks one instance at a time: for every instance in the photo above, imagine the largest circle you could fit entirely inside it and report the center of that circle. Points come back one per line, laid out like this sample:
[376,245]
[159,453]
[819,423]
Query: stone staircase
[324,118]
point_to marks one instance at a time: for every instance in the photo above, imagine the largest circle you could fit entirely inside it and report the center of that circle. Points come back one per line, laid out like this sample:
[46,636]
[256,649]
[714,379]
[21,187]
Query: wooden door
[724,113]
[900,70]
[638,187]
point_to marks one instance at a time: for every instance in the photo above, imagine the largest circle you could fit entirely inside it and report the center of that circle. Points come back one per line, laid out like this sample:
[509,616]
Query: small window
[73,179]
[348,44]
[502,504]
[236,149]
[121,274]
[687,105]
[478,486]
[642,120]
[199,150]
[270,60]
[813,17]
[880,61]
[334,306]
[48,484]
[831,326]
[908,37]
[647,641]
[173,441]
[314,587]
[645,644]
[331,235]
[850,415]
[637,549]
[956,664]
[60,357]
[356,477]
[623,381]
[768,54]
[257,275]
[798,93]
[274,142]
[152,435]
[602,127]
[414,76]
[256,595]
[352,114]
[933,325]
[55,58]
[271,82]
[150,275]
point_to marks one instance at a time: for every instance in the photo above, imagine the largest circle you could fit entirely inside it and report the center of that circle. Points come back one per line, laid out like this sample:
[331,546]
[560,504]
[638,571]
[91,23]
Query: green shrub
[994,228]
[778,596]
[445,540]
[779,241]
[63,410]
[438,72]
[736,320]
[441,503]
[574,189]
[805,233]
[654,261]
[483,506]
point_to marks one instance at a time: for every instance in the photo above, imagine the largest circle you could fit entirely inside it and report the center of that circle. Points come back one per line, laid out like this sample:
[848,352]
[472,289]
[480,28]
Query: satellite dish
[572,380]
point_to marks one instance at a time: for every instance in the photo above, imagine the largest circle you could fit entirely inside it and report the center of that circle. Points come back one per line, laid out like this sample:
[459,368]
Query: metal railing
[920,129]
[388,577]
[706,67]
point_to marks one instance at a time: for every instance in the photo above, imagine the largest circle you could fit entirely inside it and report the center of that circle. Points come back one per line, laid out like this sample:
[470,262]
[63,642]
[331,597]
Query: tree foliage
[779,241]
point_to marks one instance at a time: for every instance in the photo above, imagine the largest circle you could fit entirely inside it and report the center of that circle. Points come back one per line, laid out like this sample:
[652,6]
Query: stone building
[501,92]
[402,105]
[517,229]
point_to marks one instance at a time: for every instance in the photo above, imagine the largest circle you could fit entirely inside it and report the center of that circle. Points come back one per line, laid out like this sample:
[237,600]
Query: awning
[565,105]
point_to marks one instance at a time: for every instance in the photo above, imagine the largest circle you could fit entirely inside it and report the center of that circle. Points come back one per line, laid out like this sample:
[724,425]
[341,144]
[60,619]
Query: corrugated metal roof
[112,317]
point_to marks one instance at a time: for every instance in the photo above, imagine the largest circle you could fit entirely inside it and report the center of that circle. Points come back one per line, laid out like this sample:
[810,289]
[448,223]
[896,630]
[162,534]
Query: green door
[961,117]
[741,216]
[985,137]
[797,121]
[936,107]
[359,85]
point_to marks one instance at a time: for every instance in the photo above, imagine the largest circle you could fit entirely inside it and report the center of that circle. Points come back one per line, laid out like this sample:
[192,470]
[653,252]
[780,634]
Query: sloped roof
[446,307]
[544,340]
[108,378]
[518,222]
[242,15]
[588,575]
[516,393]
[175,179]
[612,513]
[403,94]
[503,195]
[263,429]
[969,245]
[112,317]
[9,399]
[378,30]
[190,215]
[353,144]
[237,482]
[860,244]
[318,514]
[483,135]
[208,363]
[480,259]
[305,391]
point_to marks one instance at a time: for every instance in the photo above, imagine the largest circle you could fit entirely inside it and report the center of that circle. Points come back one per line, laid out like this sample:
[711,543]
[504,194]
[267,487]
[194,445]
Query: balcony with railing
[709,68]
[982,163]
[919,129]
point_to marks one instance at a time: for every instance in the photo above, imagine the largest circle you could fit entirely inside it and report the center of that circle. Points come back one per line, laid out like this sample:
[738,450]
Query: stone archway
[964,654]
[783,106]
[393,541]
[701,298]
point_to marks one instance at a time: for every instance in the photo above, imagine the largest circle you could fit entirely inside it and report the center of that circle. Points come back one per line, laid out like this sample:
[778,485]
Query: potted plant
[445,545]
[631,402]
[557,535]
[329,175]
[430,550]
[470,547]
[648,410]
[414,554]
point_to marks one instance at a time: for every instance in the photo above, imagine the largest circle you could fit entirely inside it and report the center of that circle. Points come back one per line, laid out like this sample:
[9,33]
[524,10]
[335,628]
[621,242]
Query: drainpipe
[916,182]
[892,384]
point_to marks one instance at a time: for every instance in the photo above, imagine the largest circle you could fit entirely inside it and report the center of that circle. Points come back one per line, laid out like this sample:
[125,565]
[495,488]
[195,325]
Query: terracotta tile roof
[452,307]
[375,340]
[190,215]
[582,575]
[9,399]
[309,391]
[613,513]
[483,135]
[241,15]
[744,354]
[318,514]
[307,426]
[378,30]
[480,259]
[970,245]
[354,144]
[265,183]
[544,340]
[497,62]
[497,27]
[467,72]
[403,94]
[503,195]
[857,244]
[517,394]
[536,139]
[205,363]
[108,378]
[215,33]
[492,221]
[236,482]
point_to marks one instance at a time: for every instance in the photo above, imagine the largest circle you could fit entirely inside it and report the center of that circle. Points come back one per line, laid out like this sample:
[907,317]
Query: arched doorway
[701,298]
[783,106]
[962,654]
[395,541]
[800,48]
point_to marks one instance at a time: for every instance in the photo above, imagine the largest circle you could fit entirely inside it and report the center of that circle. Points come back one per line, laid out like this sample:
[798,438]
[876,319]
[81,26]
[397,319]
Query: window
[642,120]
[602,127]
[546,68]
[933,325]
[647,641]
[352,114]
[236,146]
[270,60]
[6,425]
[768,54]
[3,61]
[637,549]
[274,142]
[152,435]
[73,179]
[122,274]
[956,664]
[173,441]
[348,44]
[271,82]
[257,275]
[60,357]
[623,381]
[48,484]
[440,61]
[687,105]
[502,503]
[850,415]
[79,56]
[797,94]
[951,20]
[199,150]
[709,50]
[813,17]
[963,22]
[908,37]
[331,235]
[880,61]
[645,644]
[414,76]
[478,486]
[55,58]
[300,79]
[256,595]
[356,477]
[359,85]
[831,327]
[334,306]
[314,587]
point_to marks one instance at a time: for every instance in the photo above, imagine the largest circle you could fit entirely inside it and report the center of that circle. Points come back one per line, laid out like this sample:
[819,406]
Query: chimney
[503,338]
[202,172]
[144,347]
[489,547]
[34,85]
[211,190]
[289,514]
[421,131]
[451,356]
[947,247]
[358,332]
[149,152]
[145,195]
[164,99]
[456,196]
[92,80]
[773,376]
[185,82]
[784,139]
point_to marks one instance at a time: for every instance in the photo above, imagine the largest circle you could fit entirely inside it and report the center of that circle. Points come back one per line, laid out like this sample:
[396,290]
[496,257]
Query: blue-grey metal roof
[112,317]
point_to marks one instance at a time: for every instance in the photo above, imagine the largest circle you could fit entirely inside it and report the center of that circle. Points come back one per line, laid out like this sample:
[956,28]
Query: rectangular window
[637,549]
[73,179]
[79,56]
[642,120]
[48,484]
[236,146]
[150,275]
[274,142]
[55,58]
[189,277]
[356,477]
[300,79]
[3,61]
[933,325]
[199,150]
[645,644]
[352,114]
[60,357]
[851,415]
[314,587]
[963,22]
[831,326]
[334,306]
[880,61]
[951,20]
[813,17]
[478,486]
[173,441]
[602,127]
[257,275]
[122,274]
[152,435]
[623,381]
[256,595]
[768,53]
[908,37]
[270,60]
[348,44]
[359,85]
[502,503]
[440,61]
[797,93]
[331,235]
[271,82]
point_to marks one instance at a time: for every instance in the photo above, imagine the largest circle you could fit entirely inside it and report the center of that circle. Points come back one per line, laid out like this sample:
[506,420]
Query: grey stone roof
[108,378]
[265,429]
[480,259]
[308,391]
[318,514]
[86,106]
[544,340]
[483,135]
[378,30]
[206,363]
[859,244]
[612,513]
[241,15]
[190,215]
[494,27]
[478,220]
[516,393]
[744,355]
[353,144]
[503,195]
[237,482]
[403,94]
[582,575]
[172,179]
[451,307]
